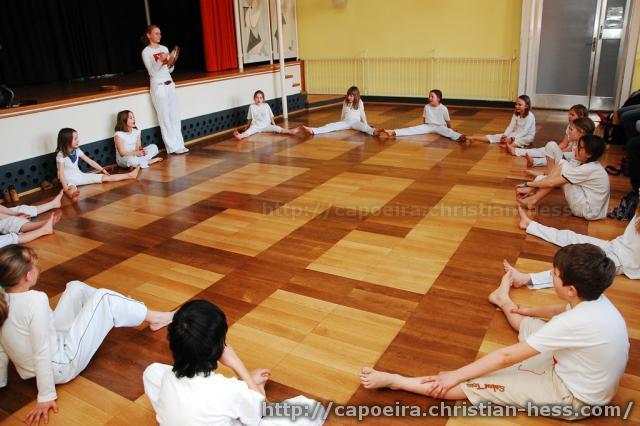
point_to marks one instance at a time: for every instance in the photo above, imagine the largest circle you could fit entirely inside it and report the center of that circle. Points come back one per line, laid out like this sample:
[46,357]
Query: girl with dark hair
[521,130]
[68,158]
[260,119]
[352,117]
[160,64]
[584,181]
[129,150]
[55,346]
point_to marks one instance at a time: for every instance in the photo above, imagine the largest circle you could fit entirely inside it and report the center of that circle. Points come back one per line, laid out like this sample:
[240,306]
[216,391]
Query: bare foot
[47,228]
[307,129]
[529,202]
[156,160]
[377,131]
[518,279]
[134,173]
[502,146]
[389,133]
[236,135]
[511,148]
[57,200]
[57,215]
[524,218]
[524,191]
[260,376]
[462,139]
[374,379]
[500,296]
[529,160]
[73,193]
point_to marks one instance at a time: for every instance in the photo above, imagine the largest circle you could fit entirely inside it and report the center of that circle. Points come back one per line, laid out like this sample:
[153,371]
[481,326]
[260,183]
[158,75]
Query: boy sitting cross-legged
[576,358]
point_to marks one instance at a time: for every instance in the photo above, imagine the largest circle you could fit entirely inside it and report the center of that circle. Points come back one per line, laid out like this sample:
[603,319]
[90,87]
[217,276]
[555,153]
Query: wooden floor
[327,254]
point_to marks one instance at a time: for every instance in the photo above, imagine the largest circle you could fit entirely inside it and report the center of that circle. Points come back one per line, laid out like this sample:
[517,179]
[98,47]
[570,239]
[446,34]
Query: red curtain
[219,34]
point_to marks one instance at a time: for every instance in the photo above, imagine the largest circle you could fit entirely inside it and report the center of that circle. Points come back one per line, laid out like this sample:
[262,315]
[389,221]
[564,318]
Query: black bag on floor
[627,208]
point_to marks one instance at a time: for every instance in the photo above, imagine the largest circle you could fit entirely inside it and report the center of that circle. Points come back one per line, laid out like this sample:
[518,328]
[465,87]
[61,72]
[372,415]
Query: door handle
[594,42]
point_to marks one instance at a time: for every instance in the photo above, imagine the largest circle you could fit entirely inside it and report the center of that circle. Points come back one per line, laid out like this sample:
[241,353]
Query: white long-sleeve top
[158,71]
[28,338]
[521,127]
[627,248]
[350,114]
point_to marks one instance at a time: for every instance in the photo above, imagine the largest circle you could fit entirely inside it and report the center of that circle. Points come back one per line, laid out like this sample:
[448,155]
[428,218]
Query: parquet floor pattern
[327,254]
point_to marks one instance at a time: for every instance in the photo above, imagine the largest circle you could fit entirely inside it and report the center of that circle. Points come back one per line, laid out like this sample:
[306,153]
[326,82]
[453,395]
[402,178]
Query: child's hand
[504,139]
[104,171]
[229,357]
[41,410]
[140,152]
[523,310]
[441,383]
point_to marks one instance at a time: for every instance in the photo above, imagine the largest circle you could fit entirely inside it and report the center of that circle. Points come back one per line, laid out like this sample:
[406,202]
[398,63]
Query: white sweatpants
[253,129]
[83,318]
[524,141]
[165,101]
[12,224]
[423,129]
[135,161]
[552,150]
[531,152]
[8,239]
[563,238]
[343,125]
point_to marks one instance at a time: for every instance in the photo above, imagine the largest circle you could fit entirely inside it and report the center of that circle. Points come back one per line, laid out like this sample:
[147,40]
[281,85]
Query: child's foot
[511,148]
[462,139]
[528,202]
[389,133]
[73,193]
[529,160]
[524,218]
[502,146]
[57,200]
[133,174]
[500,296]
[307,129]
[56,215]
[374,379]
[260,376]
[377,131]
[518,279]
[236,135]
[156,160]
[47,228]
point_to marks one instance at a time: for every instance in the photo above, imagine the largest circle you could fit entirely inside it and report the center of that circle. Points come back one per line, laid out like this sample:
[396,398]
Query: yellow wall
[485,28]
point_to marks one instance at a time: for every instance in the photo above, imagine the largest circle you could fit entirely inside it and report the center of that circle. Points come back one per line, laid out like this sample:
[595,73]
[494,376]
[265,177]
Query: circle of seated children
[582,269]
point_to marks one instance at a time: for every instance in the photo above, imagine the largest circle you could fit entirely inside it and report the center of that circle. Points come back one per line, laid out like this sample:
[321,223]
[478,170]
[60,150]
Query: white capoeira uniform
[129,144]
[587,190]
[550,150]
[435,119]
[350,118]
[623,250]
[10,226]
[72,173]
[213,400]
[54,347]
[164,98]
[521,129]
[261,117]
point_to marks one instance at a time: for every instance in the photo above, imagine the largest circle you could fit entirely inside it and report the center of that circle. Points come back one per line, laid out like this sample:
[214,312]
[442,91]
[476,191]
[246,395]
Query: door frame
[530,45]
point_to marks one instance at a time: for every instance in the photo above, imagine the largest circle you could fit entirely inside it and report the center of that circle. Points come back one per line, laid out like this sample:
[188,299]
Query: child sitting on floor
[521,130]
[584,181]
[260,119]
[190,392]
[575,359]
[436,120]
[16,228]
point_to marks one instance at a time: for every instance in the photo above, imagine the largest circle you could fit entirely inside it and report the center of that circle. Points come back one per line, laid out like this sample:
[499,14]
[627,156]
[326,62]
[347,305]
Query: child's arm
[546,312]
[63,182]
[231,360]
[120,147]
[93,164]
[448,123]
[363,116]
[39,336]
[548,182]
[6,211]
[564,144]
[246,126]
[489,363]
[512,124]
[4,367]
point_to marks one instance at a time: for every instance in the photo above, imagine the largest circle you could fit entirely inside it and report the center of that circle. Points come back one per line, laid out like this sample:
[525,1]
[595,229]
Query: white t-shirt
[158,71]
[129,141]
[350,114]
[70,167]
[591,347]
[521,127]
[213,400]
[588,189]
[260,115]
[28,337]
[436,116]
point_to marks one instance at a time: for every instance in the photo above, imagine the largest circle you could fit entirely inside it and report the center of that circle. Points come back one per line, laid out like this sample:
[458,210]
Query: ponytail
[15,262]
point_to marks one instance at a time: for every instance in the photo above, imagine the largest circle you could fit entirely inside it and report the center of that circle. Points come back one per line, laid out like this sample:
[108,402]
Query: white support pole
[285,111]
[236,14]
[146,12]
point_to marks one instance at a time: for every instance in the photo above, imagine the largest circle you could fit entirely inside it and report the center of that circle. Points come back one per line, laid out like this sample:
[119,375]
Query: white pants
[135,161]
[564,238]
[531,152]
[165,101]
[552,150]
[253,129]
[12,224]
[83,318]
[428,128]
[8,239]
[524,141]
[343,125]
[79,178]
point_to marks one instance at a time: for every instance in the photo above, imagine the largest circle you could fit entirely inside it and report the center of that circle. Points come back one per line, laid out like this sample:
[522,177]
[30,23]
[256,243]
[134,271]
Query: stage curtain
[218,34]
